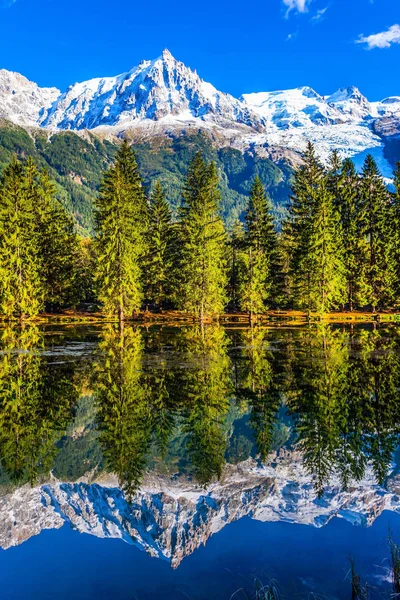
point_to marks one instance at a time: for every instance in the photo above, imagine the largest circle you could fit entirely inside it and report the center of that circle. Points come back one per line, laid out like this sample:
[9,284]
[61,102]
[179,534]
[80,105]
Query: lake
[199,462]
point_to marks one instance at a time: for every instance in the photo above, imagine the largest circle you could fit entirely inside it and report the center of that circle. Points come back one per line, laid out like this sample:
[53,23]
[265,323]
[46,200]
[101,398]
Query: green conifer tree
[57,241]
[160,251]
[334,177]
[236,247]
[354,242]
[204,249]
[396,235]
[121,217]
[21,288]
[259,254]
[375,209]
[316,262]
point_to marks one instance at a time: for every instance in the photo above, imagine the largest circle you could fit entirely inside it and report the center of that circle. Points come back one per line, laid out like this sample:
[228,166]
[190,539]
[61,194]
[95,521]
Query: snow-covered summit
[154,90]
[299,107]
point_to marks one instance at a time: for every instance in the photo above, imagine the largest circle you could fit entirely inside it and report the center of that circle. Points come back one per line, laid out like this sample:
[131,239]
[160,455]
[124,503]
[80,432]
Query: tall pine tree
[316,262]
[121,222]
[258,258]
[354,242]
[160,250]
[204,249]
[396,234]
[21,288]
[57,241]
[375,209]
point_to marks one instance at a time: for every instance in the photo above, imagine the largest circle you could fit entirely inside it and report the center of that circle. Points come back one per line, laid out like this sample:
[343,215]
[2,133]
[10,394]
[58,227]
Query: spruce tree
[396,234]
[320,272]
[375,209]
[236,247]
[121,215]
[316,262]
[204,250]
[294,237]
[354,242]
[160,255]
[334,178]
[21,288]
[57,241]
[259,254]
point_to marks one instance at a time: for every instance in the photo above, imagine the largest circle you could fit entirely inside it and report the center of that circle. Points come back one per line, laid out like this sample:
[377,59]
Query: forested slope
[76,163]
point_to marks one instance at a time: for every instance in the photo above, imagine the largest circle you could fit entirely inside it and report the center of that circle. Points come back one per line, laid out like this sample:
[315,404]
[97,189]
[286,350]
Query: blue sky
[238,46]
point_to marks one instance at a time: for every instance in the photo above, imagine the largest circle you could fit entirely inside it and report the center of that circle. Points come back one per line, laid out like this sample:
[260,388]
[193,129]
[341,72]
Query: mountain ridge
[163,95]
[164,87]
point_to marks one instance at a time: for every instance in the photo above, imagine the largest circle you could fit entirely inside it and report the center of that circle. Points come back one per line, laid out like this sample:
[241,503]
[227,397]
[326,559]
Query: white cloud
[297,5]
[319,15]
[292,36]
[381,40]
[7,3]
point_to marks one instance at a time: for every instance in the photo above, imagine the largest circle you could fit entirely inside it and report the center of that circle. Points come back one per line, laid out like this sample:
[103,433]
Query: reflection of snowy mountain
[164,94]
[171,518]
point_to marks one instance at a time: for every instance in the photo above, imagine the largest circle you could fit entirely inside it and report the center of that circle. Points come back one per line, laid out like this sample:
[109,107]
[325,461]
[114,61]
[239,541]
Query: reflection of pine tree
[321,405]
[160,381]
[125,417]
[205,390]
[379,375]
[35,407]
[260,389]
[346,402]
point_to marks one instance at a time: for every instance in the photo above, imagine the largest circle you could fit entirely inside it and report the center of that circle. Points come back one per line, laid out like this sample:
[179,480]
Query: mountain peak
[166,54]
[153,90]
[348,93]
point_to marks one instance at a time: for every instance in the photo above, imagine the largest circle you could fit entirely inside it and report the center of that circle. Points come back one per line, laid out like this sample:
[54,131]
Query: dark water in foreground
[170,462]
[64,564]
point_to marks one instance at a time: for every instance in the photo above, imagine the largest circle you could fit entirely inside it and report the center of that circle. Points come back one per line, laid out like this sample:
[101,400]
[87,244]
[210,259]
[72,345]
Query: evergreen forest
[337,248]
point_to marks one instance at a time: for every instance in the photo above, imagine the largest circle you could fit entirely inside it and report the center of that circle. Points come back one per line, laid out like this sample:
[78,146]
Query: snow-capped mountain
[164,94]
[345,121]
[22,101]
[153,90]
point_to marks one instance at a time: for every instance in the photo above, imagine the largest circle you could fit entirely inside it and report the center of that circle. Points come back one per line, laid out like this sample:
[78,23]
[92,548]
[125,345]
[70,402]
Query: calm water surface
[181,462]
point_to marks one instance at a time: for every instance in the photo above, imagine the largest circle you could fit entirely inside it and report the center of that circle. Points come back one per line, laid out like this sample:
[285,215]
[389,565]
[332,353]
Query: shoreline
[294,317]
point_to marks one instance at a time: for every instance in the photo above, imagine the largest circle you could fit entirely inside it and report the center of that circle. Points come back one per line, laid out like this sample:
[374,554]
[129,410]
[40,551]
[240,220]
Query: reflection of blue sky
[64,564]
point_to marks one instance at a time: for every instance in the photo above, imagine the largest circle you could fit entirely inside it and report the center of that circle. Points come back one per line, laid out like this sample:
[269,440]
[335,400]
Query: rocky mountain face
[23,102]
[170,518]
[164,94]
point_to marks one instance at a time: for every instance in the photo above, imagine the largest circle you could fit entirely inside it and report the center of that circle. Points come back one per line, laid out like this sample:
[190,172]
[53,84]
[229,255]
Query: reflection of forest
[188,399]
